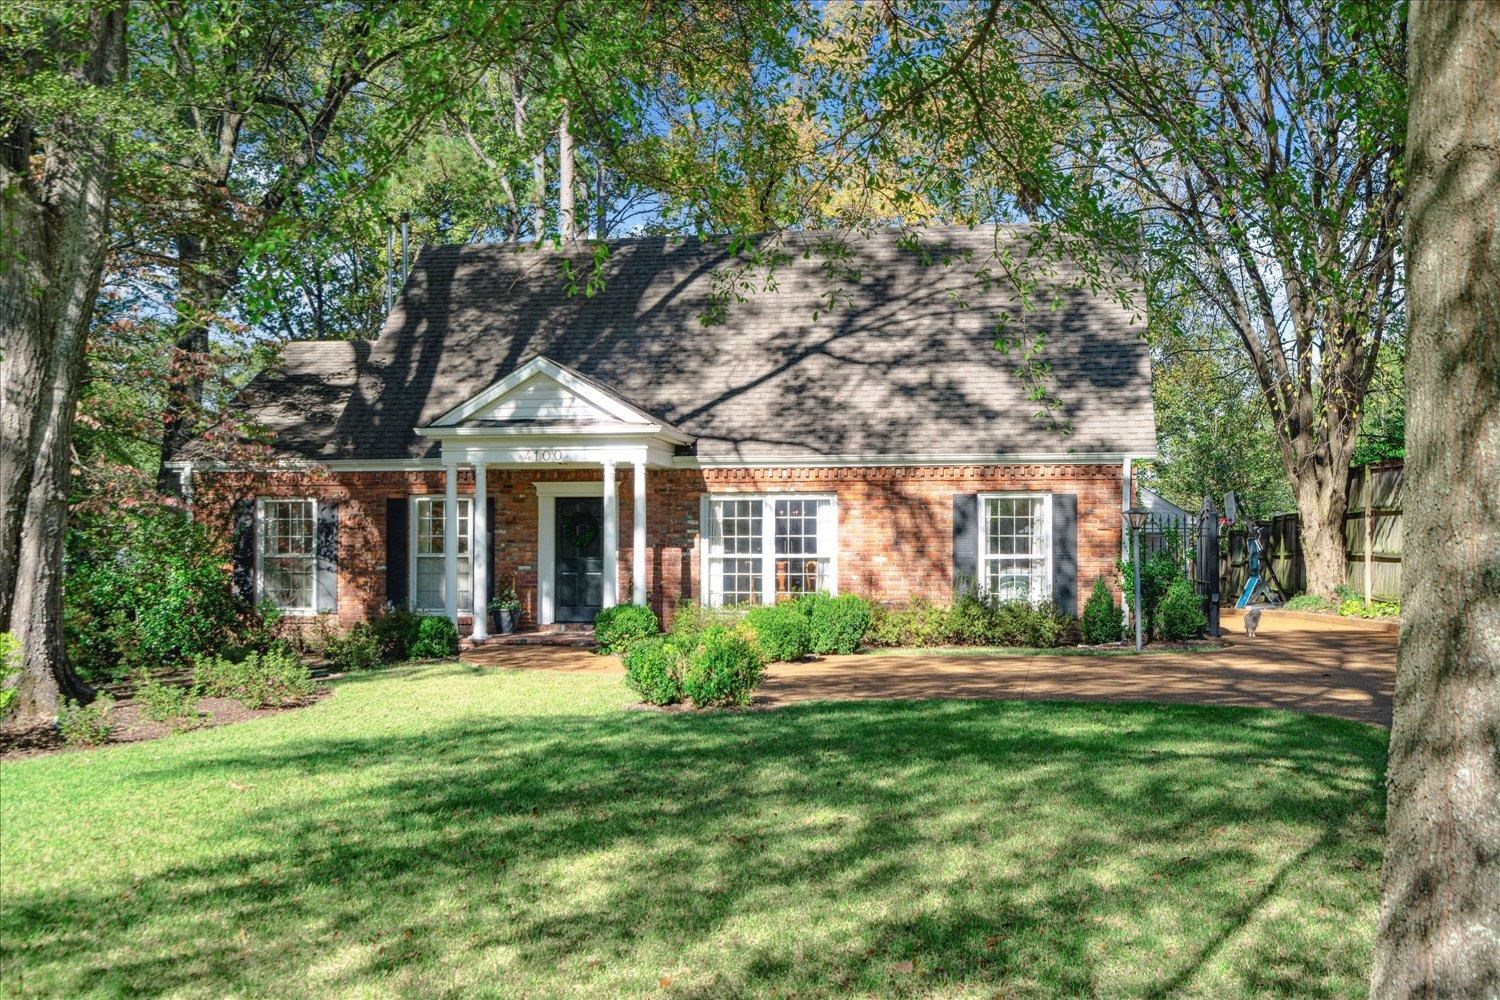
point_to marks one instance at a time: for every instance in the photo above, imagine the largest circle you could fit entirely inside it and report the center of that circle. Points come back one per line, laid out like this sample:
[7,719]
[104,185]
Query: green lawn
[445,830]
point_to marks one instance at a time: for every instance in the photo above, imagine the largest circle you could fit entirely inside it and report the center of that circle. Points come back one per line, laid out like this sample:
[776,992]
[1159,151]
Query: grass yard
[444,830]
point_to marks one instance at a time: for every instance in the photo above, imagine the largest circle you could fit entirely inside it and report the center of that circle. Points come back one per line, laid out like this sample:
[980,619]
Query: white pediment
[541,394]
[541,398]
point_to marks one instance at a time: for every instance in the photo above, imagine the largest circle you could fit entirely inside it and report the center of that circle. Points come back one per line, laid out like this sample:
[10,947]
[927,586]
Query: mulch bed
[130,726]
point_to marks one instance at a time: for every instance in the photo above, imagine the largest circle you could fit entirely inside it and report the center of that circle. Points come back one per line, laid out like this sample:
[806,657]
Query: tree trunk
[57,210]
[1321,485]
[567,223]
[1440,912]
[204,280]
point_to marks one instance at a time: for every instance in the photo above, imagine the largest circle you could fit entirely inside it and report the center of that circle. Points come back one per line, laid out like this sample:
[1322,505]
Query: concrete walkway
[1327,668]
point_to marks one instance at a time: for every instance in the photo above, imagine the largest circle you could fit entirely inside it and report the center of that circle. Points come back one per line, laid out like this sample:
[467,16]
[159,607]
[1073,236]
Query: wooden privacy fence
[1372,541]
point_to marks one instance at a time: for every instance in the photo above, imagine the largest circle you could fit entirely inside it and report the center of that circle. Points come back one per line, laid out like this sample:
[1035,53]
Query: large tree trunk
[1322,500]
[57,214]
[1440,913]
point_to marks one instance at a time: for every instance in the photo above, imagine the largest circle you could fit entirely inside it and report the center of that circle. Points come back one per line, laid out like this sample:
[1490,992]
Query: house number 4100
[542,455]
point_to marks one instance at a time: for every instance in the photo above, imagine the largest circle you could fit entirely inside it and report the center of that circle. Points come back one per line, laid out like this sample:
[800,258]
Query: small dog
[1252,621]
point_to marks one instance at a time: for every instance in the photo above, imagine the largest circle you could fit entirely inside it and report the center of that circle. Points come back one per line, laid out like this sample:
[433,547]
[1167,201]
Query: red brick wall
[895,523]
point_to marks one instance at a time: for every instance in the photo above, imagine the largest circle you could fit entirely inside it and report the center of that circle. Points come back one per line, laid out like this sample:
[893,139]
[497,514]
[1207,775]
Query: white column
[1124,506]
[638,537]
[611,538]
[481,549]
[450,546]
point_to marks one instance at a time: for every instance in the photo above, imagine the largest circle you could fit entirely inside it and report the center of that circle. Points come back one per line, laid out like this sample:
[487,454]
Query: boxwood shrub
[724,668]
[654,668]
[436,637]
[782,632]
[838,624]
[1101,617]
[1180,615]
[617,627]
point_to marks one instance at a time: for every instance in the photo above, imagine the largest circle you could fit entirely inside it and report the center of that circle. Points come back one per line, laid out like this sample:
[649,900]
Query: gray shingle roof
[895,358]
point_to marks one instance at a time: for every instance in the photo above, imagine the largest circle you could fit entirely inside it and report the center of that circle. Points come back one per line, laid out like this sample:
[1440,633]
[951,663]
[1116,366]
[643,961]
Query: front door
[580,558]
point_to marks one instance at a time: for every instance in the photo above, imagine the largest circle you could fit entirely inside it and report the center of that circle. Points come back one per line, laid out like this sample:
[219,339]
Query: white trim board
[687,462]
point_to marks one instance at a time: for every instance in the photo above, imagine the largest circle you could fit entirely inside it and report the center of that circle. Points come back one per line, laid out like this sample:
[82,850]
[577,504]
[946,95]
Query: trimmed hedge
[838,624]
[1101,618]
[654,668]
[617,627]
[782,632]
[436,637]
[724,668]
[1180,615]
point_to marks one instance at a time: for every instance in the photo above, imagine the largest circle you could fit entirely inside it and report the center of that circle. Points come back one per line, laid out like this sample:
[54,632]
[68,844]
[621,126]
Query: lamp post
[1135,518]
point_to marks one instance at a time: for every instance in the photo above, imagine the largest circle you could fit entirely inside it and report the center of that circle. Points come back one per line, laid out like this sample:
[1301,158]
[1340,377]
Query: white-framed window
[759,549]
[429,571]
[1015,546]
[286,554]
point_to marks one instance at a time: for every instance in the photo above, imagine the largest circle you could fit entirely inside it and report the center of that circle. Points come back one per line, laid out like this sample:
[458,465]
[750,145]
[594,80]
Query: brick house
[850,427]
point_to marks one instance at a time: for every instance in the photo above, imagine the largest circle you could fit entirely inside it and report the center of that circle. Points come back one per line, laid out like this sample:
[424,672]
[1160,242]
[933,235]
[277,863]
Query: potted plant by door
[505,609]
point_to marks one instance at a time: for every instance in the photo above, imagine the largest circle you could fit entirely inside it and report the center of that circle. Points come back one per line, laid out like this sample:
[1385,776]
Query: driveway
[1324,667]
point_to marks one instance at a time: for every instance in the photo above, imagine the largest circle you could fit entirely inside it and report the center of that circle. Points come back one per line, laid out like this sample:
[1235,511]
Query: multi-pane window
[287,550]
[801,563]
[1015,547]
[429,563]
[762,549]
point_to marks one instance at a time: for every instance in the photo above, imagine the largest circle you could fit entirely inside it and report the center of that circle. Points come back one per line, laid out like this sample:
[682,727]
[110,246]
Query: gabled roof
[864,346]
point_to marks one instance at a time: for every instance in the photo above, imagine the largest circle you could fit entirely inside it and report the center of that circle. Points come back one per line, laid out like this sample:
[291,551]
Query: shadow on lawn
[582,844]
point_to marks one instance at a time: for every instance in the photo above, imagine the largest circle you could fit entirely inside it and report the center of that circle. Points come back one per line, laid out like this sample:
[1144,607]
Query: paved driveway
[1328,668]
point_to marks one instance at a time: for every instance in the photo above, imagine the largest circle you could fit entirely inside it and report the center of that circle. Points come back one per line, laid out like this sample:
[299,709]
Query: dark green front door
[580,558]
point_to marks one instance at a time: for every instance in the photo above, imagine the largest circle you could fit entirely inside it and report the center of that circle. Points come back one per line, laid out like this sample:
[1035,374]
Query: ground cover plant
[440,829]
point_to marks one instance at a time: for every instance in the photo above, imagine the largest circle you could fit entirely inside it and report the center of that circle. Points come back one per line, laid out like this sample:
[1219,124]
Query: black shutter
[397,510]
[328,557]
[491,581]
[1065,553]
[965,543]
[242,578]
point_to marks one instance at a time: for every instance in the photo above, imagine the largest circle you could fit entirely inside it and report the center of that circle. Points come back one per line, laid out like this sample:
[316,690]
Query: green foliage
[357,649]
[1158,572]
[838,624]
[170,703]
[782,632]
[145,589]
[1018,623]
[691,619]
[1180,615]
[654,669]
[436,636]
[395,630]
[506,598]
[918,623]
[1311,602]
[275,678]
[1101,616]
[617,627]
[10,666]
[724,668]
[971,621]
[1355,607]
[85,725]
[1214,431]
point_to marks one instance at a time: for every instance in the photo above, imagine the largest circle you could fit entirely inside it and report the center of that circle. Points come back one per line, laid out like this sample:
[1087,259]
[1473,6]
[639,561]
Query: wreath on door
[583,531]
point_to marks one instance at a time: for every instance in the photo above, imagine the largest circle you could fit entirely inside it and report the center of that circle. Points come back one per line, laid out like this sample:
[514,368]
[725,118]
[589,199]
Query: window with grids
[1016,547]
[429,562]
[287,550]
[763,549]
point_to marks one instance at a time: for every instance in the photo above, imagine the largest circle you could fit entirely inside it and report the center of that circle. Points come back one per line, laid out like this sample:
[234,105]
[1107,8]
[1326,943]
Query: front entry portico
[544,415]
